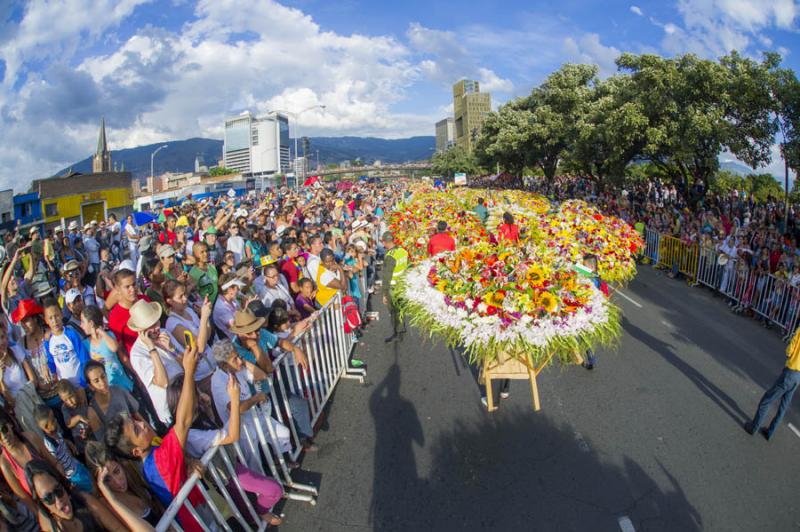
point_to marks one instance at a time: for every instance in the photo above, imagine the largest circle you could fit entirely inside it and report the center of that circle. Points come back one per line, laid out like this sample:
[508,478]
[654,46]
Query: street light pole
[152,158]
[296,117]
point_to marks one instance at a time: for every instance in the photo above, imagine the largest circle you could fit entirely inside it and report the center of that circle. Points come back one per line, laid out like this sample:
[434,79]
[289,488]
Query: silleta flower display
[525,298]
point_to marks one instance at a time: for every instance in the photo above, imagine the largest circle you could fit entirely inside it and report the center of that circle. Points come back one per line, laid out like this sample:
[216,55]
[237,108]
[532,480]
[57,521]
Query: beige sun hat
[245,322]
[144,315]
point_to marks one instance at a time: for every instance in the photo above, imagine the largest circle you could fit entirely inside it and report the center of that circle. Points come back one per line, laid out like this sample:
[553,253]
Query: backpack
[352,318]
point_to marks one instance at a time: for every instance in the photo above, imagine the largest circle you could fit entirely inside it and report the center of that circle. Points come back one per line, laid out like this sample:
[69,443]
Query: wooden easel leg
[534,391]
[490,395]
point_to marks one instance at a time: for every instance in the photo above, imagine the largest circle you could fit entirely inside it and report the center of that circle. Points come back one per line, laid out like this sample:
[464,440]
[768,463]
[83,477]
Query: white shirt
[236,246]
[14,377]
[279,292]
[143,366]
[312,264]
[223,315]
[199,441]
[131,230]
[219,391]
[206,364]
[328,276]
[92,249]
[65,356]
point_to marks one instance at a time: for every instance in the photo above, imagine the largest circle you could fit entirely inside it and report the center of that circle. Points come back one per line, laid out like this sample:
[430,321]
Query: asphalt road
[651,438]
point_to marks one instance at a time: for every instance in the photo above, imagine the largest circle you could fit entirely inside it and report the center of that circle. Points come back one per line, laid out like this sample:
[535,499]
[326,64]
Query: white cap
[71,295]
[126,264]
[233,282]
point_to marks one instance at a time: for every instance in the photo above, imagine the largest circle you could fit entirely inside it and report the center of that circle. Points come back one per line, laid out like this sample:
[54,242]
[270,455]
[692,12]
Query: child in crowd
[64,455]
[75,410]
[306,302]
[103,347]
[66,352]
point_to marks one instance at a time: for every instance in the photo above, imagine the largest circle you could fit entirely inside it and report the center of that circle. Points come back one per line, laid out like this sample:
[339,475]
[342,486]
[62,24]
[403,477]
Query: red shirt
[509,232]
[118,323]
[165,471]
[167,237]
[290,271]
[441,242]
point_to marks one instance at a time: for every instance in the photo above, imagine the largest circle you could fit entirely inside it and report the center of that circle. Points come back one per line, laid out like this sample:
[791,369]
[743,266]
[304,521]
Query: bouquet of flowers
[522,298]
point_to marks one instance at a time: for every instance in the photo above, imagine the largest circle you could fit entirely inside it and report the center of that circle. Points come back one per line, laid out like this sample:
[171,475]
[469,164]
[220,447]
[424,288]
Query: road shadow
[687,309]
[709,389]
[512,471]
[397,429]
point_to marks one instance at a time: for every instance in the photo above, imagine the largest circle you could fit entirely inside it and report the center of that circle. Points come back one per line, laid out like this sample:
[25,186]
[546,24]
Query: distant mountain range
[179,156]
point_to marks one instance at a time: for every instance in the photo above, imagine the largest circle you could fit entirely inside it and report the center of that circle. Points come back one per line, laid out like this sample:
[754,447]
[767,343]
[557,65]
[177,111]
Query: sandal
[272,519]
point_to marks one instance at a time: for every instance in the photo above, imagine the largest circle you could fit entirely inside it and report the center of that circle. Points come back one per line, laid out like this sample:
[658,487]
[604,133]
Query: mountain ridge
[179,156]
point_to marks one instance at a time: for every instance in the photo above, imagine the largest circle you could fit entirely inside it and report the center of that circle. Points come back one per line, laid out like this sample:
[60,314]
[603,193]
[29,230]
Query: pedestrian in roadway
[783,389]
[394,267]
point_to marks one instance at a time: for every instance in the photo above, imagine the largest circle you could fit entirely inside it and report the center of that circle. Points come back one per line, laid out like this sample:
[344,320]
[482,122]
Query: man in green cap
[210,238]
[204,274]
[395,264]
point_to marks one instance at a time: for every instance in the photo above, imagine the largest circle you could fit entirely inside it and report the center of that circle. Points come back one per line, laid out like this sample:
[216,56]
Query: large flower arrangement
[524,298]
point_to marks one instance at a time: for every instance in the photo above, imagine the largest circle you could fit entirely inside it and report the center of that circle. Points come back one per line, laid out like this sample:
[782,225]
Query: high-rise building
[101,162]
[445,134]
[470,107]
[256,146]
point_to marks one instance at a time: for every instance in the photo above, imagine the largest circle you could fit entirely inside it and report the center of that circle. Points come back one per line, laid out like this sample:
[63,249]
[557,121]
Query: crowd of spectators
[127,350]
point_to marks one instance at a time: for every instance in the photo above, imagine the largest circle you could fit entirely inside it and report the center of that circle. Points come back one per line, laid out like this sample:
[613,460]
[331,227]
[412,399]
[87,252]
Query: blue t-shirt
[114,370]
[355,291]
[267,341]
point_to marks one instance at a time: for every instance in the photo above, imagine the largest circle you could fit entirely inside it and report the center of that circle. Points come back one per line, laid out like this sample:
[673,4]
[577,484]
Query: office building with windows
[470,107]
[256,146]
[445,134]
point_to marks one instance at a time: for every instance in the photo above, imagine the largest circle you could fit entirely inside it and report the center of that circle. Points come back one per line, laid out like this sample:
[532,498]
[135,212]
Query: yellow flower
[495,299]
[549,302]
[441,285]
[535,274]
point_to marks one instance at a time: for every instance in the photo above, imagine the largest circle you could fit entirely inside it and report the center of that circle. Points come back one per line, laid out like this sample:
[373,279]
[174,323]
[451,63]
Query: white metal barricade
[708,271]
[328,348]
[221,477]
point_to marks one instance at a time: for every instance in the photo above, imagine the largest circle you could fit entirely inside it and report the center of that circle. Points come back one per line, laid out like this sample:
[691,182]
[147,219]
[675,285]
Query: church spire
[101,162]
[101,140]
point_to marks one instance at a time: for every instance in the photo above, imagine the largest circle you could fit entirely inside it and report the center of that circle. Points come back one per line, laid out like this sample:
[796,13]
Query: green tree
[556,108]
[455,159]
[762,186]
[725,181]
[505,139]
[696,108]
[611,131]
[220,170]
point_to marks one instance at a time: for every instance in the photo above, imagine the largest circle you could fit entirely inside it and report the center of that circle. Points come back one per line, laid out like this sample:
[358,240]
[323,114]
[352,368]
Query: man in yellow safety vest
[394,267]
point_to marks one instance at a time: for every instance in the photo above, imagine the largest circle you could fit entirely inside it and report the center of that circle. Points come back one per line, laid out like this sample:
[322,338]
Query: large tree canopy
[677,113]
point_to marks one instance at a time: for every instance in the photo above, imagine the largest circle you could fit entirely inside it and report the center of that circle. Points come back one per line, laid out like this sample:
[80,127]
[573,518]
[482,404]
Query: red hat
[26,307]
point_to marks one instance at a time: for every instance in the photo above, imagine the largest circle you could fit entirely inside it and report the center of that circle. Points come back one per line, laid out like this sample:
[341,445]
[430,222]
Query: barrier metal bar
[651,245]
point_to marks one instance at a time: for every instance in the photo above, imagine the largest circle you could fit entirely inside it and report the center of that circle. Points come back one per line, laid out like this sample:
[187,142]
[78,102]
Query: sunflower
[535,274]
[549,302]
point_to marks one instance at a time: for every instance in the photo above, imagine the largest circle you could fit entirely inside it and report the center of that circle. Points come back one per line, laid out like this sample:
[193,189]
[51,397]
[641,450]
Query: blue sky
[161,70]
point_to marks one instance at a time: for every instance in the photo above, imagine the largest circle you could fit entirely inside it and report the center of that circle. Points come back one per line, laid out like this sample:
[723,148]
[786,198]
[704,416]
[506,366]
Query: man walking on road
[394,266]
[783,389]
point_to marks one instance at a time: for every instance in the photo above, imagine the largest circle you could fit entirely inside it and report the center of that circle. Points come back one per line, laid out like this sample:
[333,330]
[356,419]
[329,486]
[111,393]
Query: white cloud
[636,10]
[161,85]
[713,28]
[448,60]
[589,49]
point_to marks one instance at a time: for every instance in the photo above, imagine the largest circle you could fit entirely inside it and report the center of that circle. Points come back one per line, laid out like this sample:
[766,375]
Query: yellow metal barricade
[676,255]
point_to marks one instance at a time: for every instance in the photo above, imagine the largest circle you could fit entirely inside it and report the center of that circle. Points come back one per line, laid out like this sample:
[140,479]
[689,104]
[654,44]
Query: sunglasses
[51,497]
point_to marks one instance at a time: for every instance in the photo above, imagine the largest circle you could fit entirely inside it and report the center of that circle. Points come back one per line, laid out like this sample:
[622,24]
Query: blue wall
[30,205]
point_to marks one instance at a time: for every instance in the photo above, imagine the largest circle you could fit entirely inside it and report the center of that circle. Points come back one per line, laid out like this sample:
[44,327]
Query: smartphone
[188,337]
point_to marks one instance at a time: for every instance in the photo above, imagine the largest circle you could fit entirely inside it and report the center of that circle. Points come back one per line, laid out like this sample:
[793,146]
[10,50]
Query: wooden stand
[508,367]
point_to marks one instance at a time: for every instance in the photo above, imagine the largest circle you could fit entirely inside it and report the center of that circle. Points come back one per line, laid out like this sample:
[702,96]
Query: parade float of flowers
[523,298]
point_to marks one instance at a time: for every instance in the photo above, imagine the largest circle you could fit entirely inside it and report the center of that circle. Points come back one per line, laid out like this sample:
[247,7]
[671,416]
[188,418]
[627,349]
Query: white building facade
[256,146]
